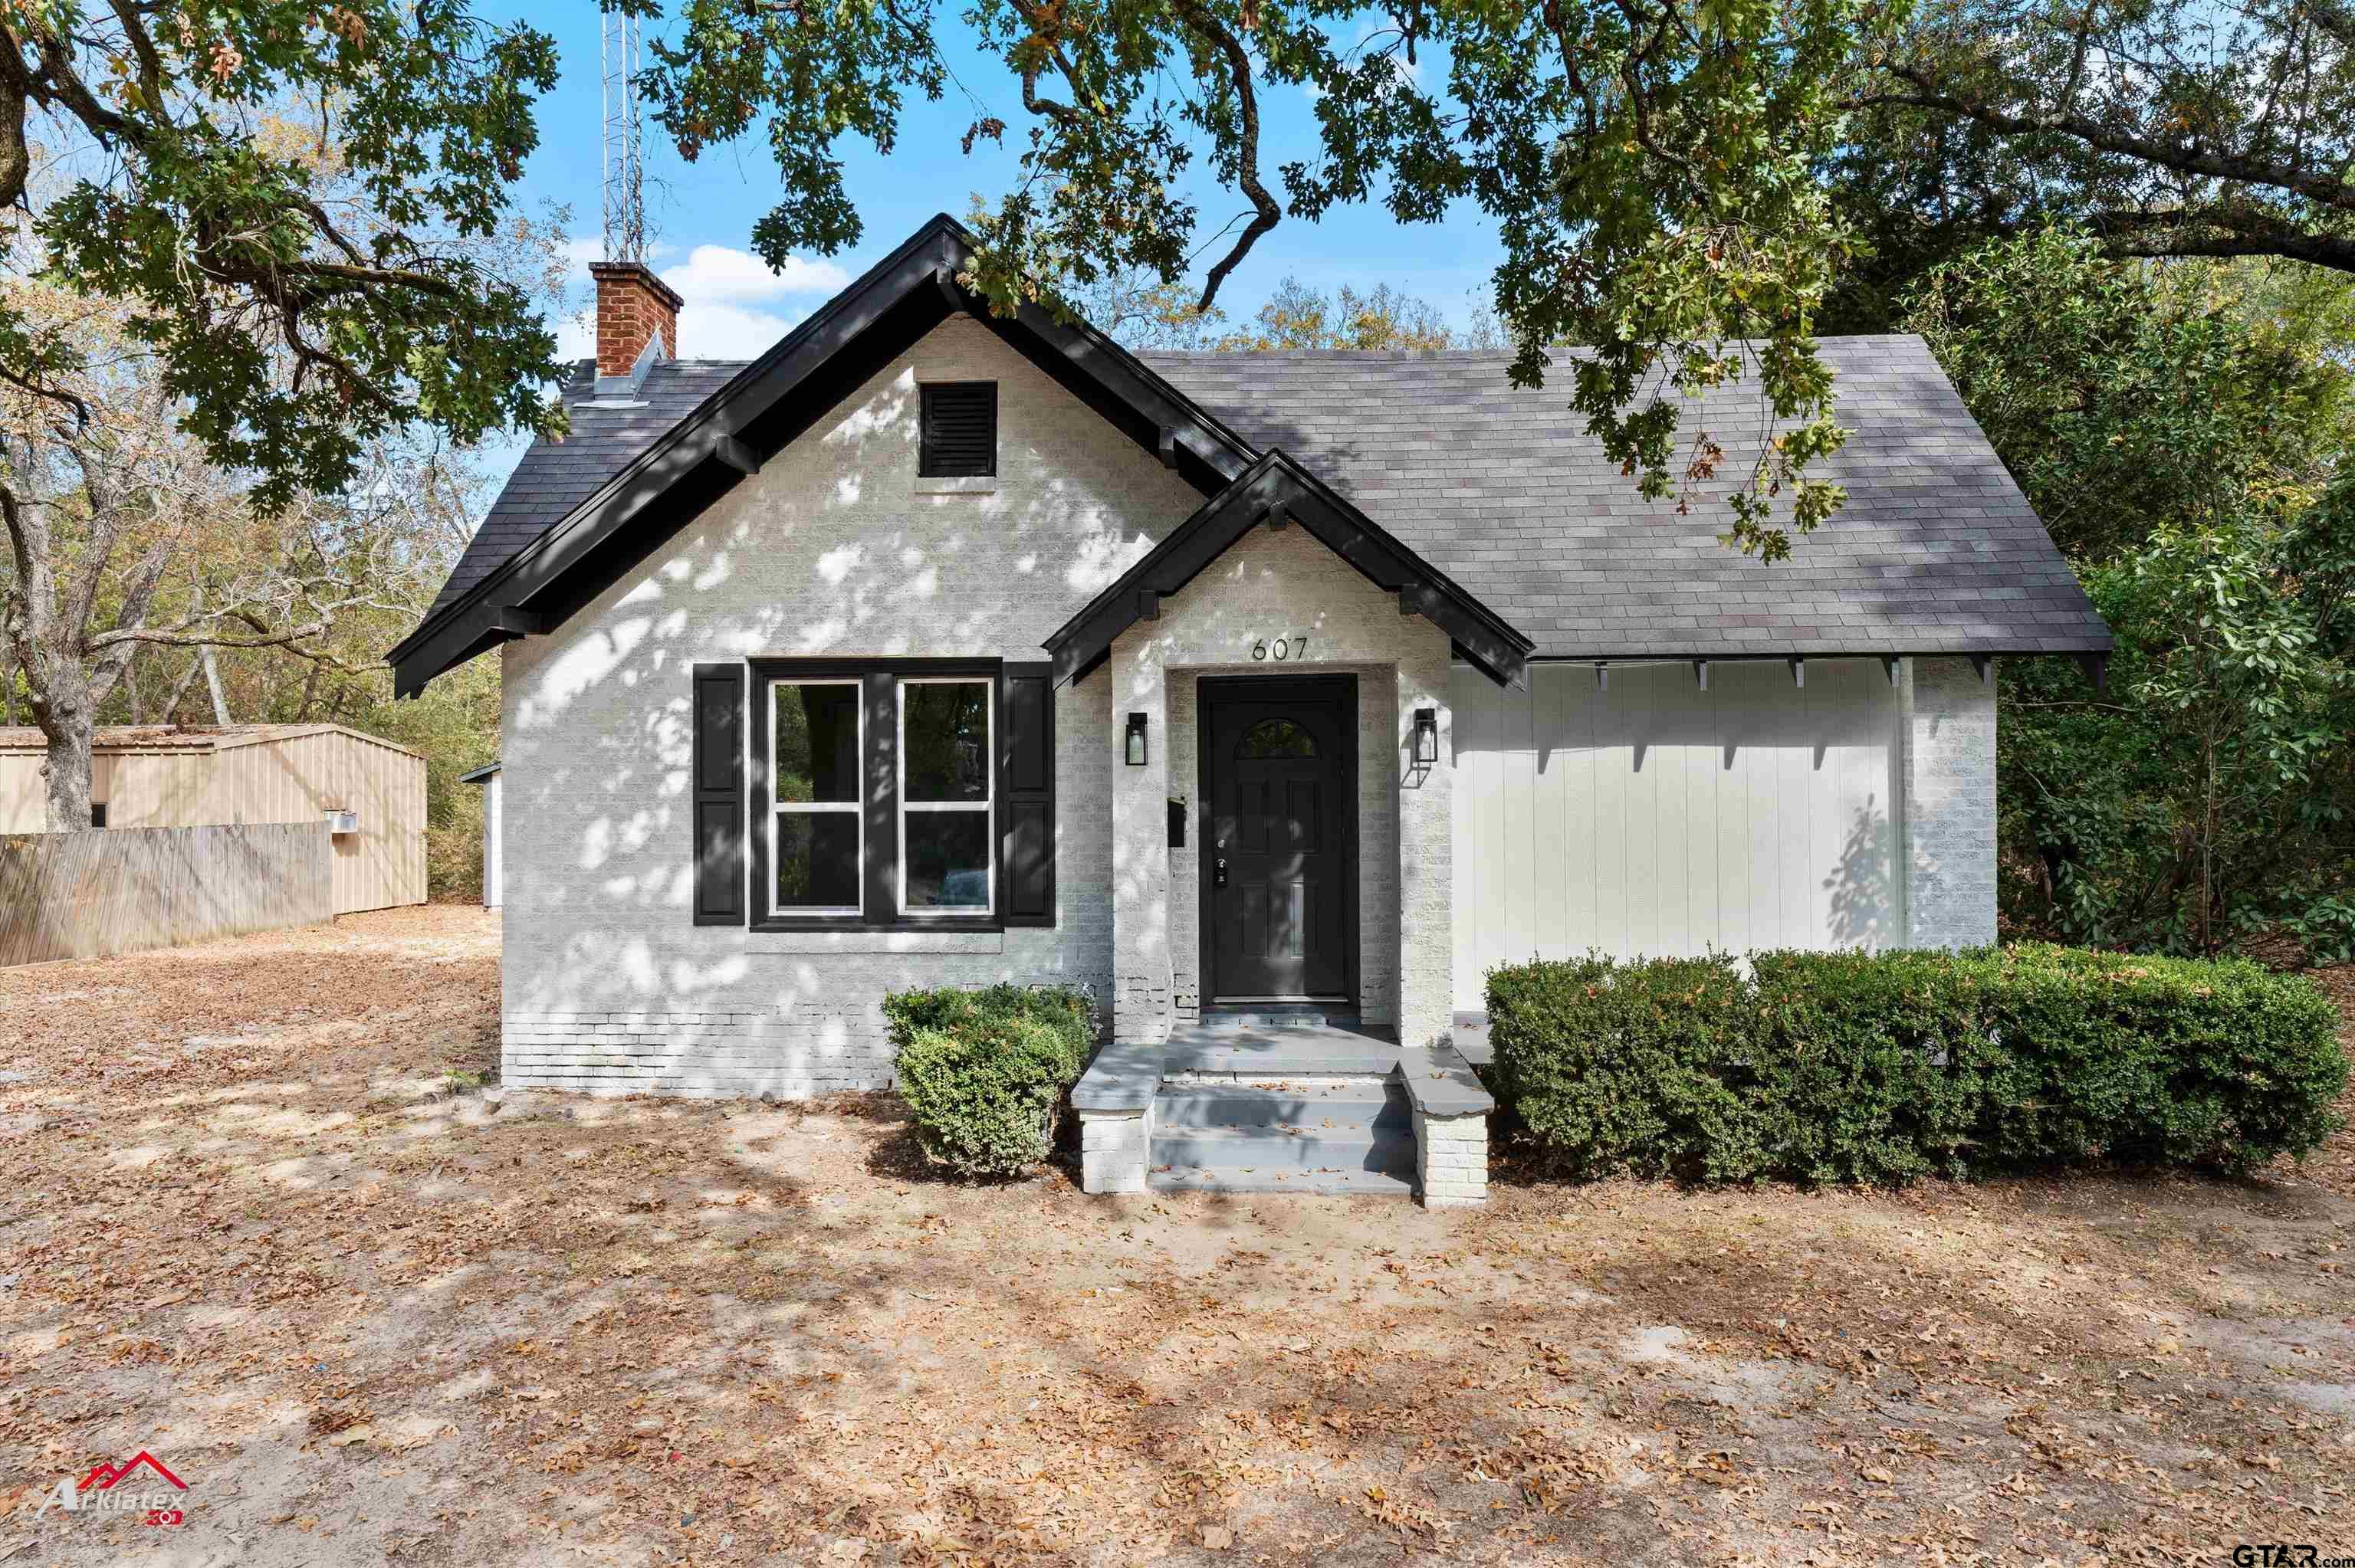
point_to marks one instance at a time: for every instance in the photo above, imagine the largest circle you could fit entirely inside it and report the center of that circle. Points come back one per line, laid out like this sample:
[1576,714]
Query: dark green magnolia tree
[1679,184]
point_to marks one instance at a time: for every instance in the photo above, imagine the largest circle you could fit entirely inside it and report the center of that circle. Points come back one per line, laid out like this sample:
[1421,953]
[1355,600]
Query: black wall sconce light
[1426,737]
[1135,743]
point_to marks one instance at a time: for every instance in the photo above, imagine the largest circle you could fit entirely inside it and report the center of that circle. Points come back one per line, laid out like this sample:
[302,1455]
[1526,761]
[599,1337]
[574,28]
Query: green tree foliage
[1679,183]
[2168,128]
[1652,172]
[2120,396]
[280,233]
[2180,429]
[1146,313]
[130,548]
[1297,316]
[287,201]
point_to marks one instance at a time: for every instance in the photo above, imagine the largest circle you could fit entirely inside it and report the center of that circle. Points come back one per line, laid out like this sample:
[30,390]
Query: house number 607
[1280,649]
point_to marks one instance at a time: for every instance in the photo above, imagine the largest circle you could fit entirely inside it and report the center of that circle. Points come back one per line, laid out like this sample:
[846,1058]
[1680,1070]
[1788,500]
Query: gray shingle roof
[1937,550]
[554,477]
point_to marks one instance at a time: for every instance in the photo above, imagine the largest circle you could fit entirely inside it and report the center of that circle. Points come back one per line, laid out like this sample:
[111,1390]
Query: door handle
[1218,872]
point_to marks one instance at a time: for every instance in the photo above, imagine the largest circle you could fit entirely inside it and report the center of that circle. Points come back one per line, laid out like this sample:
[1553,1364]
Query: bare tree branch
[1266,213]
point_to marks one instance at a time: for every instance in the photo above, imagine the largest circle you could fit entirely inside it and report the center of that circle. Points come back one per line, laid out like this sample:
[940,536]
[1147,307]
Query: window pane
[1277,737]
[817,742]
[948,860]
[945,732]
[817,860]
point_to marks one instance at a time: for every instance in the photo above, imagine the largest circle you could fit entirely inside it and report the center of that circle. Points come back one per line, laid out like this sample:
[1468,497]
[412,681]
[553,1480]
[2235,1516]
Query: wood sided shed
[170,775]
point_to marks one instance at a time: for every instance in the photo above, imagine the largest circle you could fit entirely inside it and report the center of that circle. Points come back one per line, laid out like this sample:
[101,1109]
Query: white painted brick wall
[1451,1160]
[1115,1151]
[831,550]
[1949,767]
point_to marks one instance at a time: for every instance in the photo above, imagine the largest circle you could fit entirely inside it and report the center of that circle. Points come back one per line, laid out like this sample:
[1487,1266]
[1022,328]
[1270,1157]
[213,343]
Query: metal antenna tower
[625,207]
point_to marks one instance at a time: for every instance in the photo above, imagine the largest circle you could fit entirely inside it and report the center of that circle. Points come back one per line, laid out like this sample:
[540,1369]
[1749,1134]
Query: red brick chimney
[632,305]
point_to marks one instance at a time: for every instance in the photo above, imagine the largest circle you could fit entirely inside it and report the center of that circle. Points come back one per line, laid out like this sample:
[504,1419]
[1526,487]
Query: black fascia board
[774,400]
[1500,651]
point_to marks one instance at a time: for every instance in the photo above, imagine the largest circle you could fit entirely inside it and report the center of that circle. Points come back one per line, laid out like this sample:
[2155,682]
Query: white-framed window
[817,827]
[948,860]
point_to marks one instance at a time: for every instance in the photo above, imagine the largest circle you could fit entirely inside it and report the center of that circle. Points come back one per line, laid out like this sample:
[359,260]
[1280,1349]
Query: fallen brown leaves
[258,1220]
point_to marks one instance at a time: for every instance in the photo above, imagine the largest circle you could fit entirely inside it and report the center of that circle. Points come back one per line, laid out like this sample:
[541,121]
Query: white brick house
[1255,692]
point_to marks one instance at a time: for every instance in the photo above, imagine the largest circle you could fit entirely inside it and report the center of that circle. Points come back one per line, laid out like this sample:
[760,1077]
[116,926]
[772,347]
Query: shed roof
[114,739]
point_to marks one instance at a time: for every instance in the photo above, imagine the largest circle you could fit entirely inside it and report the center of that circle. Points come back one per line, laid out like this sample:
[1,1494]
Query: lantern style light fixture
[1426,737]
[1136,740]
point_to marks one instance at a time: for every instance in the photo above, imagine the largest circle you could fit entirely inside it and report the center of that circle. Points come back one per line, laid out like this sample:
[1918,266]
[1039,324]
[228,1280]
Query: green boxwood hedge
[1821,1067]
[985,1072]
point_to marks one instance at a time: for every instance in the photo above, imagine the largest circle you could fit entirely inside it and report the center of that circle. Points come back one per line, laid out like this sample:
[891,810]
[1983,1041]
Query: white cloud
[705,332]
[728,332]
[576,337]
[718,274]
[581,249]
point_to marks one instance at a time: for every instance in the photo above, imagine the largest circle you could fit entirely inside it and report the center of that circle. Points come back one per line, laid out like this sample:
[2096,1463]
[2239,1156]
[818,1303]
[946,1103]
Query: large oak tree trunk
[68,782]
[68,719]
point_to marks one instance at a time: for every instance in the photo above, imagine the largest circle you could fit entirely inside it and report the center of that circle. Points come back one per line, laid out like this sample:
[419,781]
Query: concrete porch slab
[1122,1079]
[1471,1038]
[1262,1051]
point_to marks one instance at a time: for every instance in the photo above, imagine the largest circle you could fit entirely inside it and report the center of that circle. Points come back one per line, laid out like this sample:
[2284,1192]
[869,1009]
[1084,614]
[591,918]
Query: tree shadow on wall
[1862,884]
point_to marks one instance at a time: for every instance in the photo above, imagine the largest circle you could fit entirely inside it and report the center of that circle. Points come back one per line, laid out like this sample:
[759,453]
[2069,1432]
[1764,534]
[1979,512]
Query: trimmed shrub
[1625,1067]
[1856,1067]
[985,1072]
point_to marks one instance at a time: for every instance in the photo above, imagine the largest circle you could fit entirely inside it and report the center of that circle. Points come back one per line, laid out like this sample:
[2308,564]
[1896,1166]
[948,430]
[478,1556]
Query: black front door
[1280,855]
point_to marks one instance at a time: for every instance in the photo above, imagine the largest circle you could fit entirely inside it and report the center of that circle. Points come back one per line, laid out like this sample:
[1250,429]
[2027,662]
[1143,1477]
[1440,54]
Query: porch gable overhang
[1276,483]
[775,400]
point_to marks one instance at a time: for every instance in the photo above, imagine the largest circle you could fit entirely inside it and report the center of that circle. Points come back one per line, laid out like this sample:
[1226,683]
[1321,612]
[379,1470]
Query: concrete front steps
[1325,1134]
[1283,1103]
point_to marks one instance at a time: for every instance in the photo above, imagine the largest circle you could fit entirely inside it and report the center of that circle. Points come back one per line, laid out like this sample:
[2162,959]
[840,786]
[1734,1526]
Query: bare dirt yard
[259,1218]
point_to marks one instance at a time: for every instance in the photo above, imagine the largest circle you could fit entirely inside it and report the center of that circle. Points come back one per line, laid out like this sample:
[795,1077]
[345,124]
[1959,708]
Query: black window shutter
[1026,783]
[718,768]
[958,430]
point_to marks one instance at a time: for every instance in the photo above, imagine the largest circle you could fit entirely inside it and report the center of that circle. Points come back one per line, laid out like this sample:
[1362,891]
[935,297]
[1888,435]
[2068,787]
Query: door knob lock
[1219,876]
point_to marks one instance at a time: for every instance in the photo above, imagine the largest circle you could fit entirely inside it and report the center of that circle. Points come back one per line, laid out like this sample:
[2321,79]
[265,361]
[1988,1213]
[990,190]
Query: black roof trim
[1274,481]
[774,400]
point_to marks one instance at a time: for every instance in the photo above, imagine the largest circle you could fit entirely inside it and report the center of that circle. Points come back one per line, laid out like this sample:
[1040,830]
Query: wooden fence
[85,895]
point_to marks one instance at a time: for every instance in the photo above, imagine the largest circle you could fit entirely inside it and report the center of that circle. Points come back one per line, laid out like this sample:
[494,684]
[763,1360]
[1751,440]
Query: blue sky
[702,215]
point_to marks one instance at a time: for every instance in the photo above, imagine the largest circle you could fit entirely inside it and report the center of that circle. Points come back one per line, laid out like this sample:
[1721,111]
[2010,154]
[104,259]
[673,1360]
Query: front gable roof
[1496,491]
[737,426]
[1276,489]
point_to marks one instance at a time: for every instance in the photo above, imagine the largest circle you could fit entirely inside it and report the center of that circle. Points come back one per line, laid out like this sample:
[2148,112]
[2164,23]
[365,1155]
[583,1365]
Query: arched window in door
[1276,737]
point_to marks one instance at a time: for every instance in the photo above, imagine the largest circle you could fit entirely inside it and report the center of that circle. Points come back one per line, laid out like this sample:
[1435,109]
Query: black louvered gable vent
[960,431]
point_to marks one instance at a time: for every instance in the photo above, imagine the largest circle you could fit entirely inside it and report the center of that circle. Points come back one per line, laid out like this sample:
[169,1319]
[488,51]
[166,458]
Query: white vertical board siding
[1655,819]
